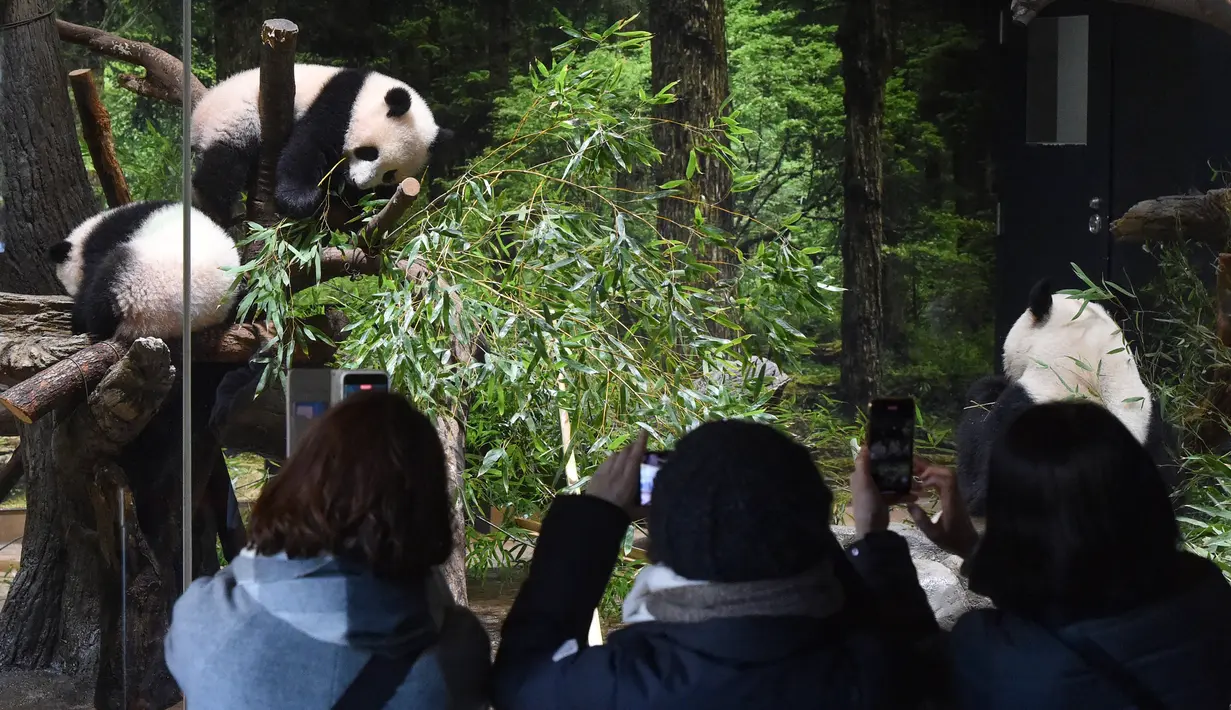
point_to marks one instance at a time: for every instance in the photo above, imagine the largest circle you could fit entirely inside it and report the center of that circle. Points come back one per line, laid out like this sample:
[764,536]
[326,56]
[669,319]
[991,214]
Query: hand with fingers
[869,504]
[953,532]
[617,480]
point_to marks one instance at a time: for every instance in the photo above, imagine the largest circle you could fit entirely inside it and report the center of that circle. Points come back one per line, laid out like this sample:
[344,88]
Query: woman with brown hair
[337,602]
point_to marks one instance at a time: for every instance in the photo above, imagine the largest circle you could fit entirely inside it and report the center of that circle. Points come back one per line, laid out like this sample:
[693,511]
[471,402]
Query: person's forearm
[577,549]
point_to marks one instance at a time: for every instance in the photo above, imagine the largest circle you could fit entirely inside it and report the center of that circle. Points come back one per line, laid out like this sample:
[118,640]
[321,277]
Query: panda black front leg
[302,167]
[219,180]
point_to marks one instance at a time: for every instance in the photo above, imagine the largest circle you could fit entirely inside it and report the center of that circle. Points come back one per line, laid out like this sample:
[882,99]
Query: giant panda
[124,269]
[380,125]
[1061,347]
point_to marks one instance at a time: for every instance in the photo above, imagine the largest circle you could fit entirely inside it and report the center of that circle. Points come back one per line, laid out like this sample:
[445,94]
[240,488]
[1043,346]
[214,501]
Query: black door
[1054,183]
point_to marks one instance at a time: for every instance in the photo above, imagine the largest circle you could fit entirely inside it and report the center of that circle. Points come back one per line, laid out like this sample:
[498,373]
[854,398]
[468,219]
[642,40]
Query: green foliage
[1186,365]
[147,141]
[539,253]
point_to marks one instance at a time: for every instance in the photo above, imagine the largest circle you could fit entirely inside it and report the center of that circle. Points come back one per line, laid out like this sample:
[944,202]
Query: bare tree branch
[163,72]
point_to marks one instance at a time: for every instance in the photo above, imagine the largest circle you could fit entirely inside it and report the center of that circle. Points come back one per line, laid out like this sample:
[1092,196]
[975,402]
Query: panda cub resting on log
[124,268]
[1046,356]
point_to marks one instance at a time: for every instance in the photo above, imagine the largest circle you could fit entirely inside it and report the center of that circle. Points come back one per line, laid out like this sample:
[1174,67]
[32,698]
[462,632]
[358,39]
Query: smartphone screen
[649,469]
[353,384]
[891,443]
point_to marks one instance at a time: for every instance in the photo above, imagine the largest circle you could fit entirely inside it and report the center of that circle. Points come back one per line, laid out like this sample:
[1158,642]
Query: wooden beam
[96,129]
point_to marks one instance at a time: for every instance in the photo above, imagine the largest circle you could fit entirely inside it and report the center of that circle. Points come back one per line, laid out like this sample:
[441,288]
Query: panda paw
[298,202]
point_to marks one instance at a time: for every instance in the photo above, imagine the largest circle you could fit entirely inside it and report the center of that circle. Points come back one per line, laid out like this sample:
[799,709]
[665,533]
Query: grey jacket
[268,633]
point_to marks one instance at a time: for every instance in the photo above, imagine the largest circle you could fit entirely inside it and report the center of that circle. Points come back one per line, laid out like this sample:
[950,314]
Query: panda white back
[228,112]
[124,267]
[1059,349]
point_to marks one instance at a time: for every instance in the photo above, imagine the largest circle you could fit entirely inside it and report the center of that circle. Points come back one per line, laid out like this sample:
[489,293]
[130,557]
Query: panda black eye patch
[367,153]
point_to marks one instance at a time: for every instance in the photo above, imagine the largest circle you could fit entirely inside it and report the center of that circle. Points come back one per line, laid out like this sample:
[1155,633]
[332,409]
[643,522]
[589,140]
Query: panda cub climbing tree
[379,125]
[1060,348]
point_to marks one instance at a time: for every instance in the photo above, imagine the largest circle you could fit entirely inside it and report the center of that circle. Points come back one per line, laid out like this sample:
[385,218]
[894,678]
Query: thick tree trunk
[690,46]
[64,608]
[864,40]
[43,184]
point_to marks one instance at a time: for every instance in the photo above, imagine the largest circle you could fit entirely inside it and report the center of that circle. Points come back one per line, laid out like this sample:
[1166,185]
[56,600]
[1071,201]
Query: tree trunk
[690,46]
[452,432]
[864,41]
[78,564]
[237,35]
[43,181]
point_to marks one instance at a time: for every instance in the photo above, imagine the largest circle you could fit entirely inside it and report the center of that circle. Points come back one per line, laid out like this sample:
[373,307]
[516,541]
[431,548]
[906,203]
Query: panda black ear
[58,252]
[1040,300]
[398,100]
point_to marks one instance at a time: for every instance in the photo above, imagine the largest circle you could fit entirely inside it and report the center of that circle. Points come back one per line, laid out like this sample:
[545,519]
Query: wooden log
[96,129]
[67,379]
[1199,218]
[163,72]
[276,107]
[383,222]
[1222,295]
[62,381]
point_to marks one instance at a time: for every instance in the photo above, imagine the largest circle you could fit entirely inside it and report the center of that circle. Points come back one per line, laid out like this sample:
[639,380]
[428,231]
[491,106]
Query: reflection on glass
[1057,79]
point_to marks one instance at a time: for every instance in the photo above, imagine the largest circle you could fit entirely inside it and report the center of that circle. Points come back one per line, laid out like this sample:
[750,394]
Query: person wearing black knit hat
[749,601]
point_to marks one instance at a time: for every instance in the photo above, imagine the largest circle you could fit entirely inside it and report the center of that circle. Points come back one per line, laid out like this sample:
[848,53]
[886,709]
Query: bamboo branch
[96,129]
[163,72]
[365,260]
[276,108]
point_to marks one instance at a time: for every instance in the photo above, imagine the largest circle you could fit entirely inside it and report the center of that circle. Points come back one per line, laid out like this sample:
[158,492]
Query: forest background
[589,86]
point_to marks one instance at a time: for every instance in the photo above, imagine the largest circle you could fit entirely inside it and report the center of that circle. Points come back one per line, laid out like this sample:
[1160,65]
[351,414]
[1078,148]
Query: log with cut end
[1174,218]
[384,222]
[96,129]
[276,108]
[68,379]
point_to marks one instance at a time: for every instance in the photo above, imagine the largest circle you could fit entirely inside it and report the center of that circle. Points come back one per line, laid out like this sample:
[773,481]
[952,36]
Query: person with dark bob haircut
[1097,604]
[749,601]
[337,601]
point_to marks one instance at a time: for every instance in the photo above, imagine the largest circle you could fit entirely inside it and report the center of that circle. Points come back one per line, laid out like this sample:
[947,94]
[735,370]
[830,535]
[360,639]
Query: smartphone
[891,443]
[356,382]
[650,464]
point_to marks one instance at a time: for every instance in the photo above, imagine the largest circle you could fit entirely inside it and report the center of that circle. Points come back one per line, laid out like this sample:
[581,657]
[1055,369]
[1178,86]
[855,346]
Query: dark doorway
[1056,168]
